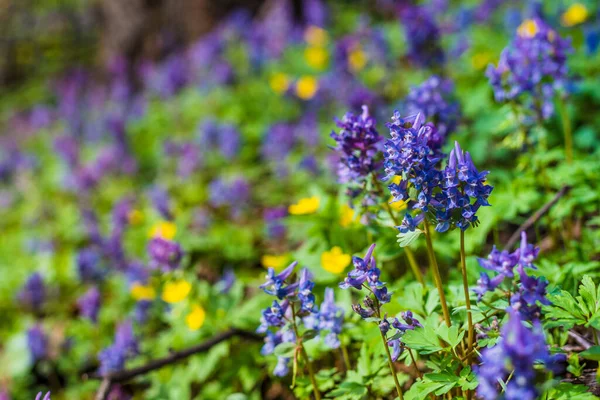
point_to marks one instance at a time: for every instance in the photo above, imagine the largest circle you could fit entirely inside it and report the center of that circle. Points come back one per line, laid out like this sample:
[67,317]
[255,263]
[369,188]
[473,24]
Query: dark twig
[104,389]
[580,339]
[535,217]
[127,374]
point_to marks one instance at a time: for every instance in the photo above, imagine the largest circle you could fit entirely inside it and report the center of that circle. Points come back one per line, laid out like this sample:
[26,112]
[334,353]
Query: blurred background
[206,124]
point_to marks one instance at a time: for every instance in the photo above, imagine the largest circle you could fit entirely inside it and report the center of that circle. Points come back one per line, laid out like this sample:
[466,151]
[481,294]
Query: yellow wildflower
[135,217]
[307,205]
[279,83]
[174,292]
[346,216]
[163,229]
[528,28]
[274,261]
[335,261]
[357,59]
[315,36]
[141,292]
[195,319]
[316,57]
[575,15]
[306,87]
[397,205]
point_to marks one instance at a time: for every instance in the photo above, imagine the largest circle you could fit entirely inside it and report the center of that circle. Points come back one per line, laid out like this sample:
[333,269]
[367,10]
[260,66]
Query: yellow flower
[141,292]
[316,57]
[528,28]
[315,36]
[163,229]
[481,60]
[195,319]
[335,260]
[274,261]
[397,205]
[279,82]
[575,15]
[346,216]
[174,292]
[308,205]
[306,87]
[135,217]
[357,59]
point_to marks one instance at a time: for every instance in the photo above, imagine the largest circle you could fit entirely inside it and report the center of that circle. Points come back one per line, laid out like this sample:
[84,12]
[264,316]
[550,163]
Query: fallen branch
[127,374]
[536,216]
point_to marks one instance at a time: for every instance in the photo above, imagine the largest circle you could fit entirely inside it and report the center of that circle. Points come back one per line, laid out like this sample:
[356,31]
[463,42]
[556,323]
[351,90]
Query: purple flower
[33,292]
[360,146]
[227,281]
[423,36]
[365,272]
[124,346]
[140,313]
[305,295]
[330,319]
[273,219]
[89,304]
[532,69]
[230,193]
[517,352]
[275,284]
[409,155]
[165,254]
[187,155]
[39,396]
[463,191]
[37,342]
[278,142]
[160,199]
[433,99]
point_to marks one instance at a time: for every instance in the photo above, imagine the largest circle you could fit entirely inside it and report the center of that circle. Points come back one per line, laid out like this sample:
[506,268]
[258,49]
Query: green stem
[345,356]
[413,265]
[467,297]
[567,130]
[391,364]
[311,373]
[409,253]
[436,273]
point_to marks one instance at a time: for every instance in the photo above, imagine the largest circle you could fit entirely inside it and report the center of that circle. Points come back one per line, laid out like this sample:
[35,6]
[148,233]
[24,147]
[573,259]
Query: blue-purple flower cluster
[125,345]
[395,342]
[451,197]
[359,145]
[434,100]
[532,69]
[280,320]
[513,360]
[366,275]
[422,34]
[464,191]
[530,292]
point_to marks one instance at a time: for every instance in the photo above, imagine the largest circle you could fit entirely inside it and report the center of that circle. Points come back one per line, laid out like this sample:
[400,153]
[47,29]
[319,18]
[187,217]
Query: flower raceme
[279,321]
[530,292]
[516,355]
[449,197]
[366,273]
[532,69]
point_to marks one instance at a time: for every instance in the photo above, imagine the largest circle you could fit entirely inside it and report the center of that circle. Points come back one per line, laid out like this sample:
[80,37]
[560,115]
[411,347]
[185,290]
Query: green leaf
[450,335]
[285,349]
[467,380]
[405,239]
[349,389]
[593,353]
[423,340]
[568,391]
